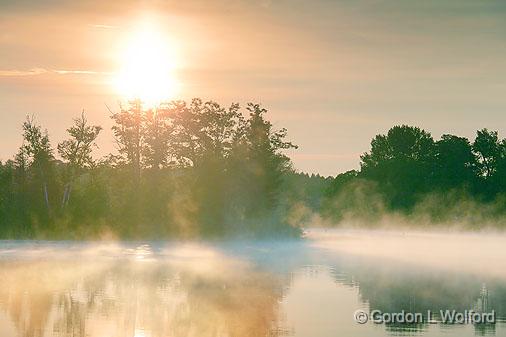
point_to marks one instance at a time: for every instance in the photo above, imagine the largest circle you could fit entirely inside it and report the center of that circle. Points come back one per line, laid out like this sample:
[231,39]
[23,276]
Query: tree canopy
[182,168]
[405,167]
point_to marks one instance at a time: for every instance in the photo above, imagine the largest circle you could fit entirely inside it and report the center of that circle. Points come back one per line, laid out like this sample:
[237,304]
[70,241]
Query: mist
[245,287]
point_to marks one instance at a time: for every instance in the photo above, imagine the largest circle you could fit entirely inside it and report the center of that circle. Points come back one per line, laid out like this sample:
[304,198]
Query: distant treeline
[183,169]
[408,173]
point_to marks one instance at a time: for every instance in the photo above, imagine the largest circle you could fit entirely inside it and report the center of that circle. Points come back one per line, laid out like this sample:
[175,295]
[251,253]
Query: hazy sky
[335,73]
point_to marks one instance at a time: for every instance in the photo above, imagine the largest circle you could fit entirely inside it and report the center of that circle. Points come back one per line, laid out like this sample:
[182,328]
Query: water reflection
[395,288]
[196,295]
[240,289]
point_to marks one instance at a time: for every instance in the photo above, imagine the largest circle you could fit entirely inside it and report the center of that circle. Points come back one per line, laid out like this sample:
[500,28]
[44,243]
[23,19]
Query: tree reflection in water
[240,289]
[205,294]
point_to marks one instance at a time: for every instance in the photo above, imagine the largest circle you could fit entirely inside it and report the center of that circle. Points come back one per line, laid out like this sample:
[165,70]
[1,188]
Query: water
[304,288]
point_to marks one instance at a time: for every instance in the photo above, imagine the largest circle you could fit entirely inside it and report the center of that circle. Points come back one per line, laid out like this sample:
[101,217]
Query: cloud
[40,71]
[81,72]
[104,26]
[20,73]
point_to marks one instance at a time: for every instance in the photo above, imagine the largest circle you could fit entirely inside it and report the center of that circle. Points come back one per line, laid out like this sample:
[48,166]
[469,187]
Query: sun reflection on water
[241,290]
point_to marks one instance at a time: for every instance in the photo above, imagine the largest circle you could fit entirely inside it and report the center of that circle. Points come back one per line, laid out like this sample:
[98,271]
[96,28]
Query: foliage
[76,152]
[407,171]
[182,169]
[198,169]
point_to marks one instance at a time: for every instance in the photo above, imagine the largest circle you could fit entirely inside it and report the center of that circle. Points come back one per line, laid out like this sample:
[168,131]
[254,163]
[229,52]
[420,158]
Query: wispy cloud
[19,73]
[40,71]
[101,26]
[81,72]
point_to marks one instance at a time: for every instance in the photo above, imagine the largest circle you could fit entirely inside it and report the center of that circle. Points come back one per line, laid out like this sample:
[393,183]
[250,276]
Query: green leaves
[78,148]
[36,146]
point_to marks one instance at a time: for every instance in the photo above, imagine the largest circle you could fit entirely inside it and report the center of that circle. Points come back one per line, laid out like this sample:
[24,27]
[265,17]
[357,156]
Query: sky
[334,73]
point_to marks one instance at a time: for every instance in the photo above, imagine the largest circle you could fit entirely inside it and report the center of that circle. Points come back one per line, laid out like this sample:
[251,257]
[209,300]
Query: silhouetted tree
[76,151]
[130,137]
[257,166]
[401,163]
[499,179]
[455,163]
[158,133]
[37,153]
[487,149]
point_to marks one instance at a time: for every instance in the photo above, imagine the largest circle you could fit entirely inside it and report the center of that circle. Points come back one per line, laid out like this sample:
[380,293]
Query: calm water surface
[306,288]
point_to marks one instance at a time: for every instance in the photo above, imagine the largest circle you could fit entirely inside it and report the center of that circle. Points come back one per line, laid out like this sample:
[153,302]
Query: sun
[147,64]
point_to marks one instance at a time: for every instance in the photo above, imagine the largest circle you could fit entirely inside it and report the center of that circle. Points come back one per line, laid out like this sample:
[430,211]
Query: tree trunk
[64,199]
[68,193]
[46,196]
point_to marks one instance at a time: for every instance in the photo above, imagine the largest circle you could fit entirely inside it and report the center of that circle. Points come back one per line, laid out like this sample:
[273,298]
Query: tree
[401,143]
[499,178]
[158,132]
[204,131]
[198,168]
[77,150]
[186,132]
[487,148]
[257,167]
[455,162]
[401,163]
[212,131]
[129,133]
[37,151]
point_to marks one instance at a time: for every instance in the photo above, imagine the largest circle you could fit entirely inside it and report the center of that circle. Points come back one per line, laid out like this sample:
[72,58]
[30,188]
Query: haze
[335,73]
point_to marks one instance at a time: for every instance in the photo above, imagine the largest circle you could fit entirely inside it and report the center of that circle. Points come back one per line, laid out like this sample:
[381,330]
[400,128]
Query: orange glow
[147,66]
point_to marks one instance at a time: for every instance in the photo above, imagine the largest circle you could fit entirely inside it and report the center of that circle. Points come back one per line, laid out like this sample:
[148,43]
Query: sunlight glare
[147,67]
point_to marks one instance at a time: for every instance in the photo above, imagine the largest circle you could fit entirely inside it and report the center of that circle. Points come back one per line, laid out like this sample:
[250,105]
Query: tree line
[181,169]
[198,169]
[409,172]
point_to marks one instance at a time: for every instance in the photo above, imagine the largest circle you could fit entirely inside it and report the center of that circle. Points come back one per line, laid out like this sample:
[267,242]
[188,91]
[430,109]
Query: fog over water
[309,287]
